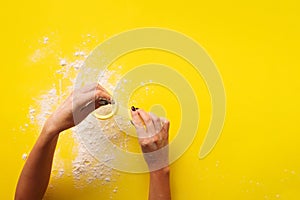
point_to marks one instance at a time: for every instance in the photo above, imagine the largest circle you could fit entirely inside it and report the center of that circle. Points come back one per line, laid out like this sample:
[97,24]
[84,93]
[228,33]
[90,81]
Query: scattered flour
[47,103]
[31,114]
[86,168]
[46,39]
[79,53]
[24,156]
[63,62]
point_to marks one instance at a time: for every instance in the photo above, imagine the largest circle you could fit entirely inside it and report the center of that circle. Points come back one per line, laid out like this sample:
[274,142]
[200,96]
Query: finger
[91,92]
[165,129]
[136,119]
[96,87]
[87,102]
[101,93]
[156,122]
[100,87]
[82,100]
[163,120]
[82,105]
[150,129]
[92,100]
[138,124]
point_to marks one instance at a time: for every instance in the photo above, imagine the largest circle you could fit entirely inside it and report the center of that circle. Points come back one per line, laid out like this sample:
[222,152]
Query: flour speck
[24,156]
[63,62]
[45,40]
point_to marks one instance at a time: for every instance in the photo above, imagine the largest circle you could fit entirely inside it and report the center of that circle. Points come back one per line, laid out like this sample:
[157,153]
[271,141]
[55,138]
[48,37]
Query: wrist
[50,128]
[162,171]
[49,134]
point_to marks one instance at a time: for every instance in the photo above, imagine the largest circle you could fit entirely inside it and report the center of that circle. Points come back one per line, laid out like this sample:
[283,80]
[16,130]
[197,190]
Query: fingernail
[133,108]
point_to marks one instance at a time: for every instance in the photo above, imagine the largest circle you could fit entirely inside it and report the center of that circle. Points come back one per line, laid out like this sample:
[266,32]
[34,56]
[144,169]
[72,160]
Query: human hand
[77,107]
[153,134]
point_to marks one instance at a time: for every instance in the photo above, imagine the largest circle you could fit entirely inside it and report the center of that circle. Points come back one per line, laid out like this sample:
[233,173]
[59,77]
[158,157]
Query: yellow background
[255,45]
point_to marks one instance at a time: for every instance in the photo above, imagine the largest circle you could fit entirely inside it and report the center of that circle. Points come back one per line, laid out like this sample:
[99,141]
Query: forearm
[35,175]
[160,185]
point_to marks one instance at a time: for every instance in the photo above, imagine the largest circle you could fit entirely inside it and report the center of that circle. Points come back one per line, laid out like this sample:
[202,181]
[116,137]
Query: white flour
[85,168]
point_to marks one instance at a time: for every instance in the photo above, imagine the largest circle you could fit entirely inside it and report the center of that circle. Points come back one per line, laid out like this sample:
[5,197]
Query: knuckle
[157,120]
[98,94]
[144,143]
[155,138]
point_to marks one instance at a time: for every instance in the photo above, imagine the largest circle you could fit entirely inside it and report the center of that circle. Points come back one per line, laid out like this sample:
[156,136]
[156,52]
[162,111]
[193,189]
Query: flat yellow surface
[255,45]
